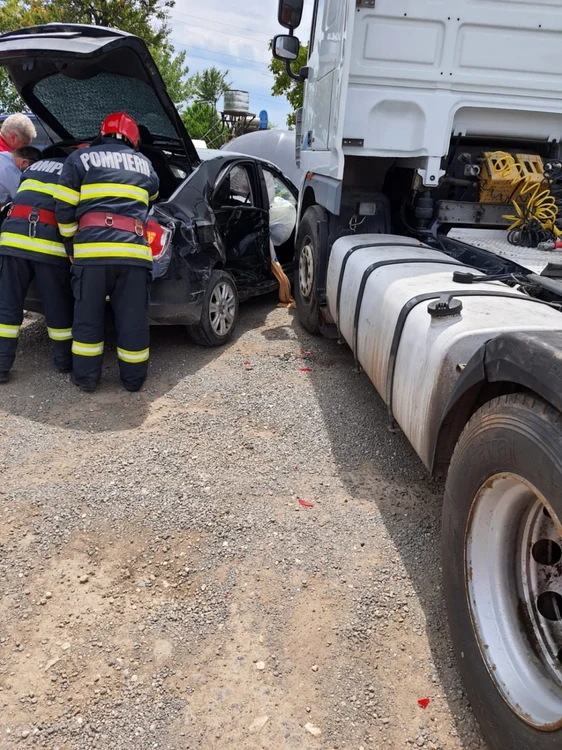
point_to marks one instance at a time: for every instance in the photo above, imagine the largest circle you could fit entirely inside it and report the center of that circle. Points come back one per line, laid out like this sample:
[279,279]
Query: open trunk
[72,76]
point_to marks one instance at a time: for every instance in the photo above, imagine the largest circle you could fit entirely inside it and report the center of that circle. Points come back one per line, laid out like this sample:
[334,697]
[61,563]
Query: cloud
[236,40]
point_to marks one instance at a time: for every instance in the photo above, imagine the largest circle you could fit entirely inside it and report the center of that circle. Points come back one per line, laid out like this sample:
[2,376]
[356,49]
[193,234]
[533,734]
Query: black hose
[529,235]
[553,173]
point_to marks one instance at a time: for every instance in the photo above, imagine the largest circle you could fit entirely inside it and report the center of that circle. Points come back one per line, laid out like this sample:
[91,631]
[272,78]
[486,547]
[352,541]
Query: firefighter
[102,203]
[31,247]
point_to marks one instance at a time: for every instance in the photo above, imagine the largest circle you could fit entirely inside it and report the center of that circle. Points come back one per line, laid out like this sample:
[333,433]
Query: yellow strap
[68,230]
[36,186]
[67,195]
[9,332]
[36,245]
[59,334]
[113,190]
[133,357]
[87,350]
[112,250]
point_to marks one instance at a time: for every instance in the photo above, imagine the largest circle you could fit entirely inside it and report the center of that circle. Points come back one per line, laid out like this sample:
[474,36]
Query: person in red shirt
[17,131]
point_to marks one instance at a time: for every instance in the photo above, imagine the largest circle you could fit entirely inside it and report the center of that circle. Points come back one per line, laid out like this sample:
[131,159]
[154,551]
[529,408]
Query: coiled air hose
[536,208]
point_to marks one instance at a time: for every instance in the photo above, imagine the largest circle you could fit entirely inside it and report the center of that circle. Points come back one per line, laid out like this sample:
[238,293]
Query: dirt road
[163,587]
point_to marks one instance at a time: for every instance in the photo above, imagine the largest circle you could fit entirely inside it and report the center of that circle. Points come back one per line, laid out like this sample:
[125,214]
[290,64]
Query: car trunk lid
[72,76]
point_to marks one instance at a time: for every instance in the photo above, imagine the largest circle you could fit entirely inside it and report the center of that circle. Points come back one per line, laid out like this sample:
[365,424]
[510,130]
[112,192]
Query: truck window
[317,18]
[331,13]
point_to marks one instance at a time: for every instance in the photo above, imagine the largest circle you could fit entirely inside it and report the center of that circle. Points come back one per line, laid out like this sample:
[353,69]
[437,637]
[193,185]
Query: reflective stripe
[112,190]
[112,250]
[9,332]
[67,195]
[133,357]
[68,230]
[36,245]
[153,197]
[49,188]
[59,334]
[87,350]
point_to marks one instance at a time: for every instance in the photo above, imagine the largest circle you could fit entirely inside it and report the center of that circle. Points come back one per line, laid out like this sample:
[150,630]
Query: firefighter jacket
[31,232]
[110,179]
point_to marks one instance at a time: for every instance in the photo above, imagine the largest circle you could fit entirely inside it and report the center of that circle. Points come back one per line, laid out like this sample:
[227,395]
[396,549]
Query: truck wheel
[308,252]
[220,311]
[502,570]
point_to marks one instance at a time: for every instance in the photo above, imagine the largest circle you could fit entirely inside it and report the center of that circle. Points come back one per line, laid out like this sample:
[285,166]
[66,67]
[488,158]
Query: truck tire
[220,311]
[306,269]
[502,570]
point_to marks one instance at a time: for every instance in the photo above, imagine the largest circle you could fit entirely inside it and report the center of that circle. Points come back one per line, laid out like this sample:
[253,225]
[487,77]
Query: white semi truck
[419,117]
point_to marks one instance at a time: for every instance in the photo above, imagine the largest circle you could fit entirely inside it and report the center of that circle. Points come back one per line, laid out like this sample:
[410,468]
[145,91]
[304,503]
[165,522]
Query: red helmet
[120,124]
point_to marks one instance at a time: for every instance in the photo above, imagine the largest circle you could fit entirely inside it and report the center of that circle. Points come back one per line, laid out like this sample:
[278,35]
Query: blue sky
[234,36]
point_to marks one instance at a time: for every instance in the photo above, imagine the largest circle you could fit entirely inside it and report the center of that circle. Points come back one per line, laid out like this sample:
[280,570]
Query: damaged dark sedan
[221,217]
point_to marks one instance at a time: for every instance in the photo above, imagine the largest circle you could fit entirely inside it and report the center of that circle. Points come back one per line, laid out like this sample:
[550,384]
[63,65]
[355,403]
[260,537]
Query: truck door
[325,59]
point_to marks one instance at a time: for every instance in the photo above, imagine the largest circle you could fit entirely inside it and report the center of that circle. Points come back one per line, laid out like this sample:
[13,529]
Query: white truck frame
[461,337]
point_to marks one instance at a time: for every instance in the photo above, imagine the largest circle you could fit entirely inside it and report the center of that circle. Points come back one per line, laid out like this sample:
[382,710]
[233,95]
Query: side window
[276,188]
[235,189]
[331,13]
[317,18]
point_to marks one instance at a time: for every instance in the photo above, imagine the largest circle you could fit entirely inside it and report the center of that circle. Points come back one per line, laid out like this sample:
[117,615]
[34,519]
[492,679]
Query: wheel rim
[222,308]
[306,268]
[514,574]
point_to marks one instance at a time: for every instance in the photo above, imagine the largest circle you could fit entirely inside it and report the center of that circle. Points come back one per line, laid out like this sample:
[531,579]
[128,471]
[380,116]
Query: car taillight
[158,237]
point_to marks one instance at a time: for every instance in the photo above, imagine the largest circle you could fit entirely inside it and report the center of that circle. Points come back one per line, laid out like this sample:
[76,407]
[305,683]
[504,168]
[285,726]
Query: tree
[209,86]
[202,122]
[148,19]
[283,85]
[174,71]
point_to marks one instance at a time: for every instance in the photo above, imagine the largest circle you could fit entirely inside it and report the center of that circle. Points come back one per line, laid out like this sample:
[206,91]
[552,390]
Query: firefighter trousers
[53,286]
[127,289]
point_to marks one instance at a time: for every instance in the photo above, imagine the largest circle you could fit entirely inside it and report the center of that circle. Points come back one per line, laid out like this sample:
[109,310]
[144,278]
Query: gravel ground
[163,587]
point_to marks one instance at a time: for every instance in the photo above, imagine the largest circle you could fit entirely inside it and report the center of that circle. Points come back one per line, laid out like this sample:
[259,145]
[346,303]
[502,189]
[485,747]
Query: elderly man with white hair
[17,131]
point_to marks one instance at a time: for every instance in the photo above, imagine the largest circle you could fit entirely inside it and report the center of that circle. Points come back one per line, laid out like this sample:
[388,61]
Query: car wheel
[306,270]
[220,311]
[502,570]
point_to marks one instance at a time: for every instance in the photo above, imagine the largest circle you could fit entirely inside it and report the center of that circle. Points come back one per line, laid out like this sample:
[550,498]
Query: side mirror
[290,13]
[286,48]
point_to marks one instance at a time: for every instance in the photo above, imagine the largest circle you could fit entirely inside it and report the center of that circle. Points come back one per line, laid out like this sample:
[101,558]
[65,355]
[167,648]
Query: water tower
[236,115]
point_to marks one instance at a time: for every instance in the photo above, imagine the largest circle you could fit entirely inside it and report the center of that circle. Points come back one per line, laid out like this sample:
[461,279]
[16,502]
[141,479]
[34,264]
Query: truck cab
[429,218]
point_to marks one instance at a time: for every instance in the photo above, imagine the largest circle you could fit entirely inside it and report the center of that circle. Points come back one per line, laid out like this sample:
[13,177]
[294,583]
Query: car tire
[501,554]
[219,315]
[306,269]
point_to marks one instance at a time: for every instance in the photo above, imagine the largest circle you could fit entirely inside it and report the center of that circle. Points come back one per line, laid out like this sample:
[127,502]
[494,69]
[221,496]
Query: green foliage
[283,85]
[209,86]
[173,69]
[203,123]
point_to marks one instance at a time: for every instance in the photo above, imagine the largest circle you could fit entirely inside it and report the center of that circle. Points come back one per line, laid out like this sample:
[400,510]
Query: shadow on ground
[58,403]
[368,456]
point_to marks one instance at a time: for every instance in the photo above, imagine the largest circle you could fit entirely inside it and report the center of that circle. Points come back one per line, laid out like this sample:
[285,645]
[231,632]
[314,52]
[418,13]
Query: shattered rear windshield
[81,105]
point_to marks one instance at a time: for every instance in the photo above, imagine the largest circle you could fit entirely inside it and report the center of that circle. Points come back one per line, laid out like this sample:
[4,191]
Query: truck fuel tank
[383,292]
